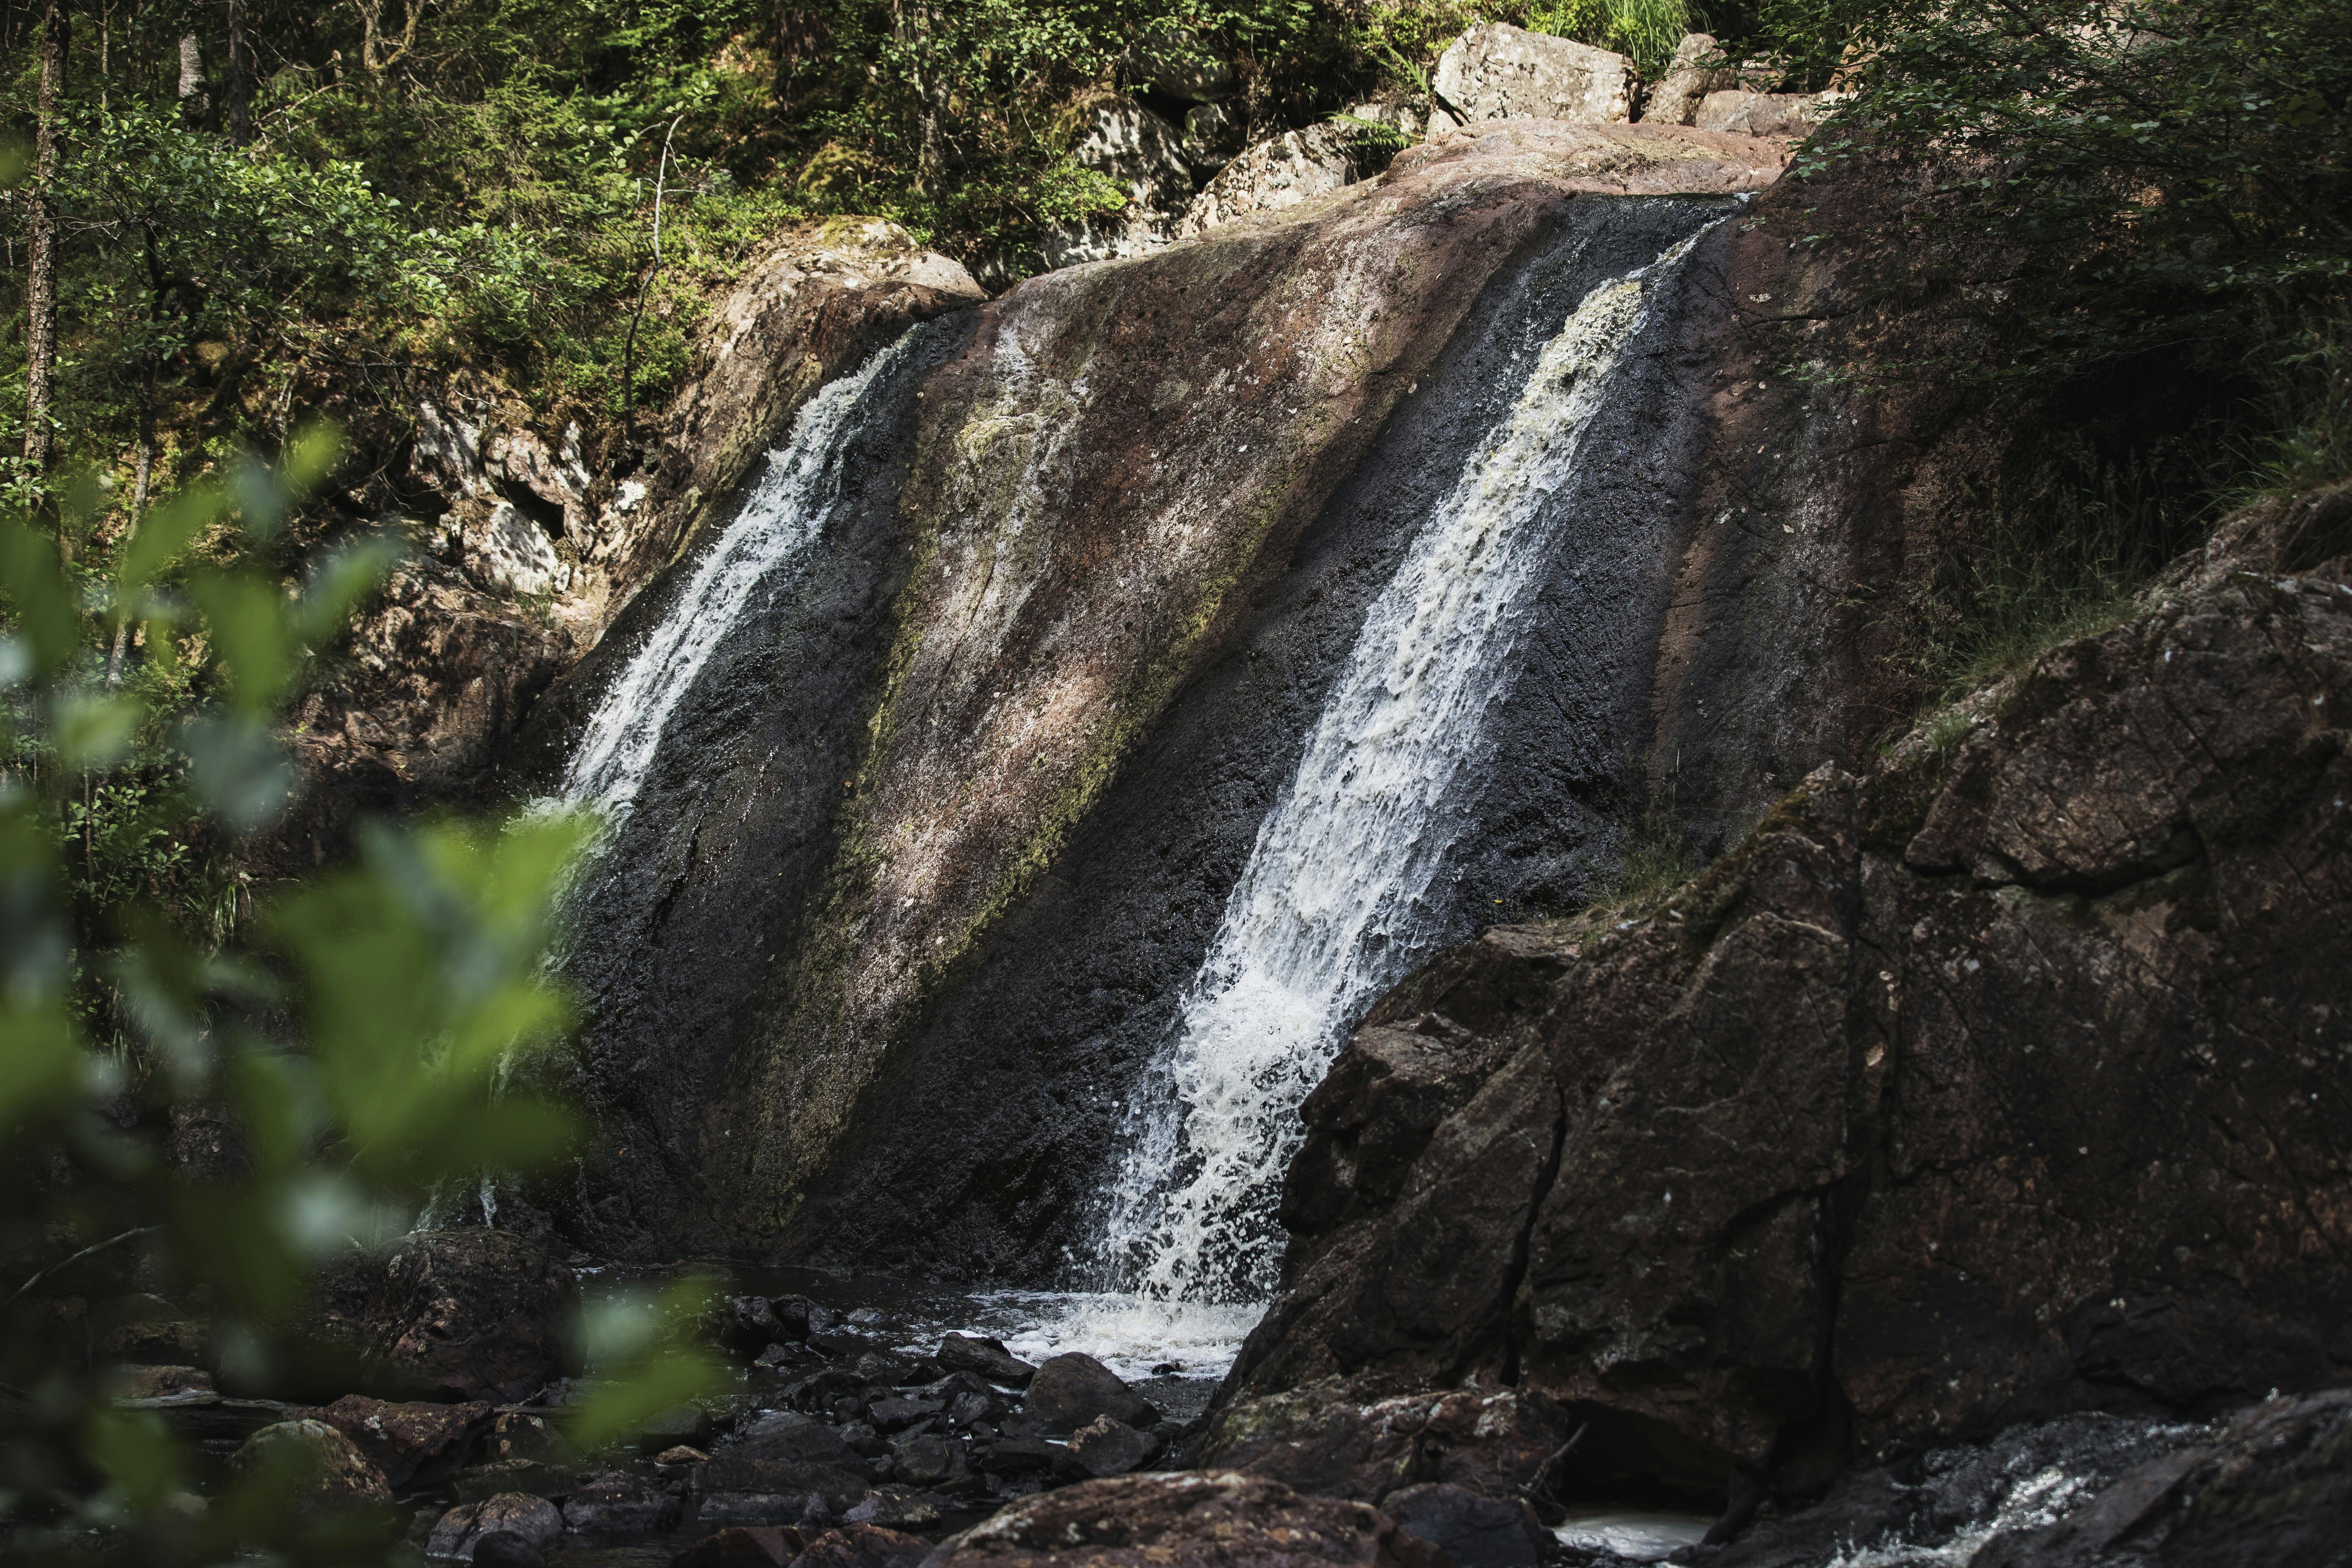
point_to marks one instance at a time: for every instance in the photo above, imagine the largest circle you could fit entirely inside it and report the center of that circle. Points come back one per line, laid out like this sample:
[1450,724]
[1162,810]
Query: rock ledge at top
[1494,71]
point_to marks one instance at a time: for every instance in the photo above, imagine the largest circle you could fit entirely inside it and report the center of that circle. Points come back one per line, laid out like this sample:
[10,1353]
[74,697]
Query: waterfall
[1334,902]
[787,511]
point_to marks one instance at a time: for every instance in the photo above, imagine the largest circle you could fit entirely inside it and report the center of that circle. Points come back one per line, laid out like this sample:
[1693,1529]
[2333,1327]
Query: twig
[629,349]
[77,1257]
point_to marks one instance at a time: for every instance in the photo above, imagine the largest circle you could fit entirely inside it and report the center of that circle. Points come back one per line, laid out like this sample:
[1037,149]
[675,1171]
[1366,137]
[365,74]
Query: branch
[77,1257]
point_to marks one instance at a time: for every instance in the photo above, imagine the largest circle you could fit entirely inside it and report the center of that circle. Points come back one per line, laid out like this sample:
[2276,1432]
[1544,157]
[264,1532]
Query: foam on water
[787,511]
[1333,904]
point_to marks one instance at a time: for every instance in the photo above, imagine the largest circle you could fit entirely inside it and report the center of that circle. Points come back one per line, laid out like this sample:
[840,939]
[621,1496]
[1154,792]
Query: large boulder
[1676,97]
[1074,1388]
[1282,171]
[1980,1087]
[317,1464]
[1145,157]
[1745,114]
[457,1314]
[412,1443]
[1497,71]
[457,1533]
[1190,1520]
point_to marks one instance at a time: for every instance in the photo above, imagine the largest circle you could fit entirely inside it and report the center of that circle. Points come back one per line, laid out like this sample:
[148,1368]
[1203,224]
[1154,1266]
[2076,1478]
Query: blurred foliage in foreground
[354,1034]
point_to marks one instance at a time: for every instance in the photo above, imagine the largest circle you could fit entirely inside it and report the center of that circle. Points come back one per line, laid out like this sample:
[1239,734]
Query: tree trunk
[41,270]
[240,78]
[194,102]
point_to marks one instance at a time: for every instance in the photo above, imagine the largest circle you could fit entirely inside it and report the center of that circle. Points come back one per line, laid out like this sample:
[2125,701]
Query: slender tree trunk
[141,474]
[194,102]
[240,78]
[41,270]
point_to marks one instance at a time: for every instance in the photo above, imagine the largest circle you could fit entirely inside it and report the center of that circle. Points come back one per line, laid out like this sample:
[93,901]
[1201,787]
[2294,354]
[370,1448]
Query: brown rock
[1074,1388]
[318,1465]
[863,1546]
[411,1444]
[465,1314]
[681,1455]
[1180,1520]
[1974,1090]
[1330,1439]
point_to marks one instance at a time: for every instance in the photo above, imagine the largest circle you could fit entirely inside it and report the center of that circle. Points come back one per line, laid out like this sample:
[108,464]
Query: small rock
[787,1355]
[505,1549]
[619,1503]
[460,1529]
[985,1358]
[1074,1388]
[325,1467]
[863,1545]
[800,1316]
[688,1423]
[1476,1531]
[681,1455]
[412,1443]
[839,1344]
[532,1475]
[895,1415]
[741,1547]
[1107,1447]
[814,1394]
[894,1508]
[927,1458]
[748,1323]
[1214,133]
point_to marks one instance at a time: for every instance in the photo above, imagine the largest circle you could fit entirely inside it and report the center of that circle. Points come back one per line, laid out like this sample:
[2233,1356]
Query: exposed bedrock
[1999,1079]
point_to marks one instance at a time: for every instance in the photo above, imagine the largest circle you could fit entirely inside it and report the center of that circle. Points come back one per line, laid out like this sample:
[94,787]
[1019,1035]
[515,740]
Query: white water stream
[787,511]
[1334,903]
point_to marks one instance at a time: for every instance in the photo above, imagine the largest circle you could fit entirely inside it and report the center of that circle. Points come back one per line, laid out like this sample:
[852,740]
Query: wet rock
[1282,171]
[1675,98]
[1497,71]
[620,1503]
[864,1546]
[748,1324]
[740,1548]
[782,1358]
[740,1509]
[836,1485]
[927,1458]
[895,1508]
[2001,1168]
[894,1414]
[323,1466]
[1473,1531]
[787,1434]
[505,1549]
[1323,1439]
[839,1344]
[1178,1520]
[412,1443]
[1018,1456]
[1763,113]
[1073,1388]
[532,1475]
[464,1314]
[521,1434]
[861,1439]
[458,1532]
[818,1394]
[1107,1447]
[158,1381]
[985,1358]
[681,1455]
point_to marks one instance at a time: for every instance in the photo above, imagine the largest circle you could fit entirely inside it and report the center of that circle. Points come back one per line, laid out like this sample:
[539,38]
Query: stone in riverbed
[328,1469]
[927,1460]
[1476,1531]
[864,1546]
[1074,1388]
[837,1486]
[753,1509]
[787,1434]
[748,1323]
[678,1424]
[1107,1447]
[462,1528]
[1018,1456]
[892,1508]
[412,1443]
[620,1503]
[895,1413]
[681,1455]
[1185,1519]
[985,1358]
[741,1547]
[1497,71]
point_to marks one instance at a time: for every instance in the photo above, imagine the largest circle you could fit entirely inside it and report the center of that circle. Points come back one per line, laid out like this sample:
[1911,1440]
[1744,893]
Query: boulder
[1144,156]
[740,1548]
[748,1324]
[681,1455]
[462,1314]
[1282,171]
[1473,1531]
[320,1465]
[412,1443]
[1748,113]
[863,1546]
[1333,1441]
[1674,99]
[461,1529]
[1975,1089]
[1073,1388]
[1183,1519]
[1107,1447]
[1497,71]
[620,1503]
[787,1434]
[985,1358]
[927,1458]
[1214,133]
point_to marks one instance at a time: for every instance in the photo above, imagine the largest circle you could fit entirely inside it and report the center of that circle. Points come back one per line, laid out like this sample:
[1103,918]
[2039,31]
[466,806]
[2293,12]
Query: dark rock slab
[985,1358]
[788,1435]
[1073,1388]
[1473,1531]
[1180,1520]
[927,1458]
[621,1503]
[1107,1447]
[731,1472]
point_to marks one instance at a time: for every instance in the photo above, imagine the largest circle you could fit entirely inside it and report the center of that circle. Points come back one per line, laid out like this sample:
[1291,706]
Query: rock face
[1675,100]
[466,1314]
[1764,113]
[1291,168]
[1180,1521]
[1496,71]
[1980,1088]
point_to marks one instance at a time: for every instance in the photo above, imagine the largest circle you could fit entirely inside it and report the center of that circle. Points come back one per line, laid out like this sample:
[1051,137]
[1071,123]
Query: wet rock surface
[1961,1093]
[455,1314]
[1220,1518]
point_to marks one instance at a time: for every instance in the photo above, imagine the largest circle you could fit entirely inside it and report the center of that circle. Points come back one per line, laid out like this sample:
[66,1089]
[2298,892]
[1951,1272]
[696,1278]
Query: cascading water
[785,513]
[1334,902]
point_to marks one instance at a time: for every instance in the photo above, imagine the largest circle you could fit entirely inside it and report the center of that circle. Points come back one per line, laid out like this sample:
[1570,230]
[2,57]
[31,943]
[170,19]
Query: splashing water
[1333,902]
[787,512]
